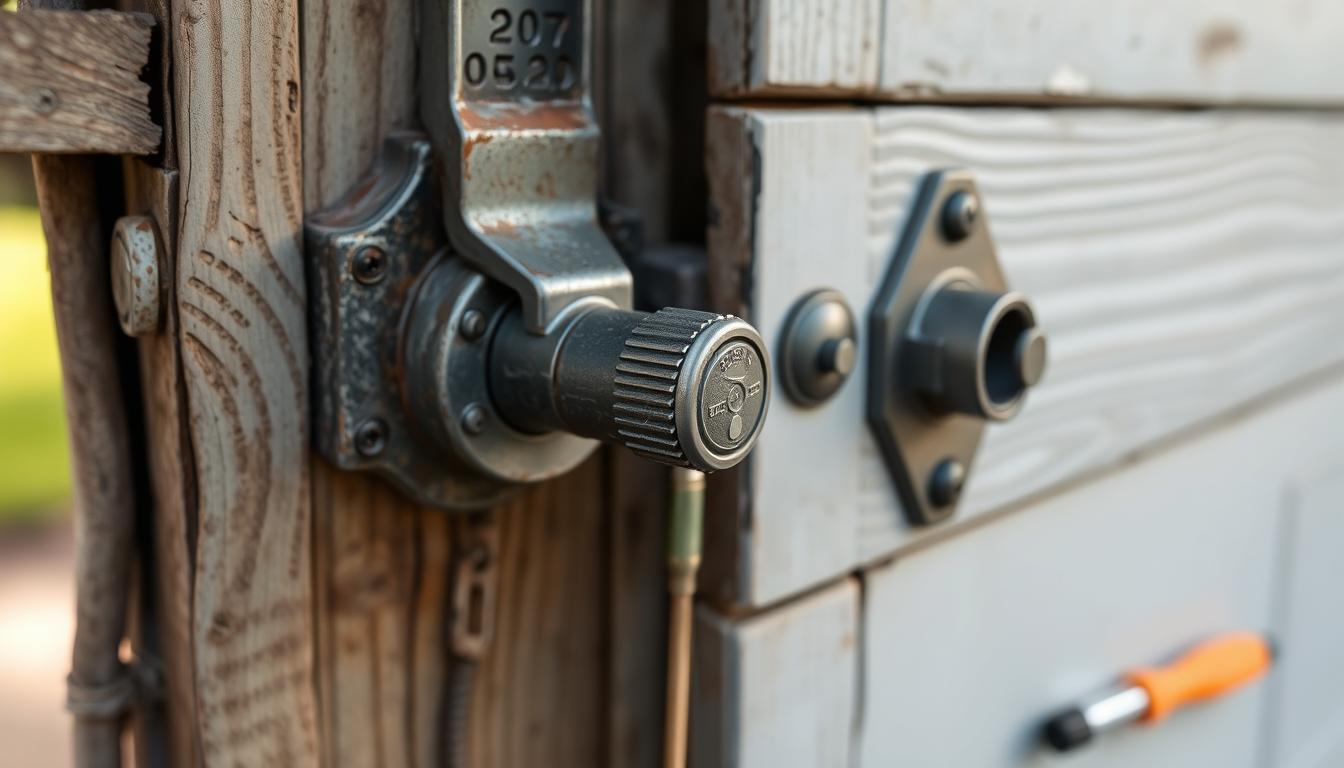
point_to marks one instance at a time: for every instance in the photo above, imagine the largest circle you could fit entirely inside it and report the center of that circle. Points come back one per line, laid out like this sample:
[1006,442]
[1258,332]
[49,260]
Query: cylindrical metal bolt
[369,265]
[371,437]
[135,275]
[473,419]
[946,482]
[959,216]
[473,325]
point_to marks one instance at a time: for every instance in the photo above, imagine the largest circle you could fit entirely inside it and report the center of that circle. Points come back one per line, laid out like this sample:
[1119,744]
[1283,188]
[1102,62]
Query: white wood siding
[1183,264]
[1155,50]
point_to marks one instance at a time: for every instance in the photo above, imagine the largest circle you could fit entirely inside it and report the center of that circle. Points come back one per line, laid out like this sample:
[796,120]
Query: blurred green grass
[34,460]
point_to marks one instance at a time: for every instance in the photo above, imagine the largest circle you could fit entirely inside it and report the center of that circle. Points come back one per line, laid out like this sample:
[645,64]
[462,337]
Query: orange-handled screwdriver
[1214,667]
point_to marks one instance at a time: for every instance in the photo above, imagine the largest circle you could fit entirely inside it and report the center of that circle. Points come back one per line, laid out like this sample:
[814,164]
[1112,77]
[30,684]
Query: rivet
[369,265]
[371,437]
[960,213]
[473,324]
[473,419]
[135,275]
[946,482]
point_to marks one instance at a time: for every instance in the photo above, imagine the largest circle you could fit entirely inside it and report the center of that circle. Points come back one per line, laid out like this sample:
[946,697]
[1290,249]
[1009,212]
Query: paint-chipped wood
[72,82]
[240,299]
[1182,264]
[1187,51]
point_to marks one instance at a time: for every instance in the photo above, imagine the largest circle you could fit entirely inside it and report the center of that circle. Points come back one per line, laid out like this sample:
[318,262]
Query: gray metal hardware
[507,103]
[135,275]
[427,373]
[950,347]
[818,347]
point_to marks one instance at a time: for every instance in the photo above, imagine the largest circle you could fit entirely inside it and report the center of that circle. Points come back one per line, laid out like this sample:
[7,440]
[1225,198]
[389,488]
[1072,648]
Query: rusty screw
[369,265]
[135,275]
[371,437]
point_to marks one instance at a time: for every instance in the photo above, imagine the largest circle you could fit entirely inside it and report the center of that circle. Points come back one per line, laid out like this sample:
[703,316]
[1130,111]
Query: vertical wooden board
[816,47]
[1182,264]
[539,697]
[1306,728]
[971,644]
[154,192]
[779,688]
[240,286]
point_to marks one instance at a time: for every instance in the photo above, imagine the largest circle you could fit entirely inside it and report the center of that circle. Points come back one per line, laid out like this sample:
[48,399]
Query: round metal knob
[981,350]
[817,348]
[677,386]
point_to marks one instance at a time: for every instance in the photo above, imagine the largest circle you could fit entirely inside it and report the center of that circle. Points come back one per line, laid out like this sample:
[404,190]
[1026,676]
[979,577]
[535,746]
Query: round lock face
[732,397]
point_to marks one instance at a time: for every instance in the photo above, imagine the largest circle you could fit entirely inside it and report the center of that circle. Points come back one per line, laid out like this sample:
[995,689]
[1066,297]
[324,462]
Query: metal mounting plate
[365,255]
[507,104]
[922,446]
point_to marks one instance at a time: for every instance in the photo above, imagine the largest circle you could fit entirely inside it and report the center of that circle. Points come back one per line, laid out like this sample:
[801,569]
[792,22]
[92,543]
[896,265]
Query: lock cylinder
[677,386]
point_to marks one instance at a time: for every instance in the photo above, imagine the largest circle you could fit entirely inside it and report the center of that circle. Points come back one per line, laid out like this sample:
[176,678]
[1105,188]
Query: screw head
[473,325]
[1029,357]
[946,482]
[473,419]
[135,275]
[369,265]
[960,213]
[837,356]
[371,437]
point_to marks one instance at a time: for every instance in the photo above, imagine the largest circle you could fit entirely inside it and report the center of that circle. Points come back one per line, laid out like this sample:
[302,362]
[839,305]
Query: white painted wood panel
[971,644]
[1149,50]
[965,647]
[1183,263]
[1307,719]
[777,690]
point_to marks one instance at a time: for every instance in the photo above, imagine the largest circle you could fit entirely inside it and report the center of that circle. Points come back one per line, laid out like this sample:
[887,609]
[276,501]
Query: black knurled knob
[677,386]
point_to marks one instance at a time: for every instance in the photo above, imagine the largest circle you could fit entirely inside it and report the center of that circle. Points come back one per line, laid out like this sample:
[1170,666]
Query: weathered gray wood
[100,457]
[240,283]
[1183,264]
[1147,50]
[1003,625]
[1306,714]
[72,82]
[777,689]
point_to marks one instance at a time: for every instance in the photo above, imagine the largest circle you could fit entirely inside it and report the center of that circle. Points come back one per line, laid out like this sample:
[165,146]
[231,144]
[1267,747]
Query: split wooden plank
[1187,51]
[779,688]
[1182,263]
[240,284]
[72,83]
[1006,624]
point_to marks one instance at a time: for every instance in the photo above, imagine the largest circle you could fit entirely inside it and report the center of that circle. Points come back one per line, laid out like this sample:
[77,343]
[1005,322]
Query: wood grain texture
[72,83]
[1182,263]
[778,47]
[100,449]
[1146,50]
[382,564]
[1002,625]
[152,191]
[777,689]
[240,284]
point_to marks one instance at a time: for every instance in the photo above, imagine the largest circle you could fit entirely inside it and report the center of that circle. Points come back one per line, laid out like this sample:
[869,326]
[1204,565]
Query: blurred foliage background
[34,462]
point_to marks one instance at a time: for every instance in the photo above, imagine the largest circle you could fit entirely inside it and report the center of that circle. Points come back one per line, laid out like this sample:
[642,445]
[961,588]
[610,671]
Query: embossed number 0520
[541,69]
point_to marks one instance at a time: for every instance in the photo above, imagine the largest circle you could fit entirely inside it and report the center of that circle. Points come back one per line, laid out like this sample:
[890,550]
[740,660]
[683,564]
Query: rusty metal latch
[508,102]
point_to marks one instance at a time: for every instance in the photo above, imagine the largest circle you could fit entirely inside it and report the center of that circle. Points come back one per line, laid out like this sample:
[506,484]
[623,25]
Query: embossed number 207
[533,30]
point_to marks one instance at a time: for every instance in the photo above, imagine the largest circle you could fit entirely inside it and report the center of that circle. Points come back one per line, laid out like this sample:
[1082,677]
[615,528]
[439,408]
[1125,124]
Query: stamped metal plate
[507,105]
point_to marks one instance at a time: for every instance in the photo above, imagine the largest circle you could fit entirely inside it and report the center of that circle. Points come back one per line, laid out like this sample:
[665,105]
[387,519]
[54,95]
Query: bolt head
[960,213]
[135,275]
[837,356]
[371,437]
[946,482]
[1029,357]
[369,265]
[473,419]
[473,325]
